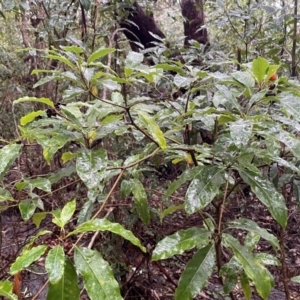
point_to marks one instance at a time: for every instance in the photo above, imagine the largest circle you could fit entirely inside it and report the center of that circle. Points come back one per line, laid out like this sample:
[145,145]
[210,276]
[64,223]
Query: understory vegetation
[150,172]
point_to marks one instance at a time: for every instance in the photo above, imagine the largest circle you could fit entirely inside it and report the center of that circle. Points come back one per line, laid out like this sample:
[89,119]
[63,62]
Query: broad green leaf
[240,132]
[173,68]
[196,273]
[291,104]
[61,218]
[67,287]
[8,155]
[30,117]
[225,97]
[67,156]
[111,85]
[38,217]
[27,208]
[125,189]
[296,279]
[73,48]
[171,209]
[140,200]
[259,68]
[85,212]
[251,226]
[266,193]
[43,184]
[245,286]
[230,281]
[62,59]
[181,241]
[244,78]
[153,129]
[5,195]
[6,290]
[252,267]
[99,54]
[27,258]
[251,240]
[105,225]
[97,275]
[46,101]
[73,113]
[268,259]
[203,188]
[133,59]
[55,264]
[90,164]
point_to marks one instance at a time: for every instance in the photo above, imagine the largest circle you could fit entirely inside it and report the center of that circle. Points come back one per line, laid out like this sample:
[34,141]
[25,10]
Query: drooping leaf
[97,275]
[27,258]
[153,129]
[244,78]
[181,241]
[140,200]
[196,273]
[8,155]
[90,164]
[55,264]
[62,59]
[230,281]
[203,188]
[46,101]
[67,287]
[266,193]
[251,226]
[246,286]
[105,225]
[252,267]
[6,290]
[30,117]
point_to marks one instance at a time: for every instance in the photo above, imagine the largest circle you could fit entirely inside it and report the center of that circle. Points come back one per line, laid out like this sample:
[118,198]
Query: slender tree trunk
[294,63]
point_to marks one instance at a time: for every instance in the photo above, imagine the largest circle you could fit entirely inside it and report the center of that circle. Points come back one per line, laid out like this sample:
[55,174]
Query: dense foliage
[100,126]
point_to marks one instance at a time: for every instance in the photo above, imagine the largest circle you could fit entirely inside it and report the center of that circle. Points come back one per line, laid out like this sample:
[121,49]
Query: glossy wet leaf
[251,226]
[43,184]
[291,103]
[67,287]
[61,217]
[259,68]
[99,54]
[196,273]
[230,281]
[8,155]
[203,188]
[105,225]
[125,188]
[27,258]
[85,212]
[246,286]
[55,264]
[266,193]
[140,200]
[97,275]
[153,129]
[27,208]
[240,132]
[181,241]
[252,267]
[268,259]
[46,101]
[6,290]
[90,164]
[244,78]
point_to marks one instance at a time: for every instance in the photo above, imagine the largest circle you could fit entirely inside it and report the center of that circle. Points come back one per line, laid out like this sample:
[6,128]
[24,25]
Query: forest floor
[138,276]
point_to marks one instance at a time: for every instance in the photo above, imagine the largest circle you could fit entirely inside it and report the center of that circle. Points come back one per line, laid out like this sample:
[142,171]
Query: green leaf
[140,200]
[244,78]
[294,279]
[6,290]
[203,188]
[43,184]
[251,226]
[105,225]
[291,104]
[259,68]
[5,195]
[97,275]
[173,68]
[75,49]
[99,54]
[61,218]
[46,101]
[67,287]
[230,281]
[196,274]
[89,165]
[171,209]
[252,267]
[181,241]
[86,4]
[62,59]
[246,286]
[266,193]
[55,264]
[37,218]
[8,155]
[125,189]
[153,129]
[27,208]
[240,132]
[27,258]
[30,117]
